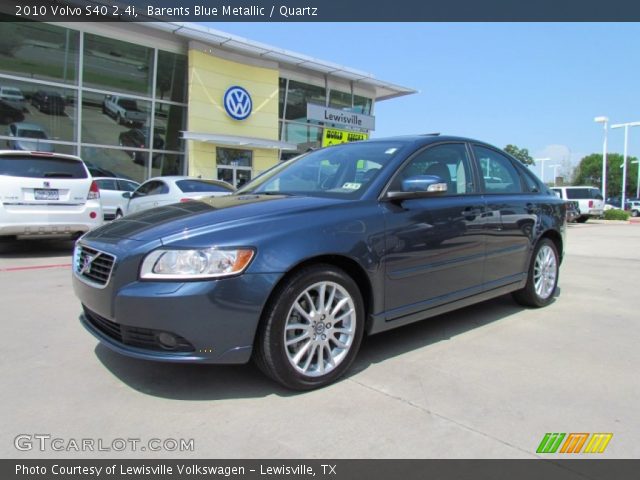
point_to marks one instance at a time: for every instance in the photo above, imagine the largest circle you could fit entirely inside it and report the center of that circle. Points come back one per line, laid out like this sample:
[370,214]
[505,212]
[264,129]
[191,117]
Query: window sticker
[351,186]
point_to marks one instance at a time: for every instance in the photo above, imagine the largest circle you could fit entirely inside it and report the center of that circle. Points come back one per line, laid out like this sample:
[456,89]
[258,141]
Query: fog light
[167,340]
[93,215]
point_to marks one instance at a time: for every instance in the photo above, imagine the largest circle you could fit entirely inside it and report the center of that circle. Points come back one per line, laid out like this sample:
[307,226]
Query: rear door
[513,211]
[30,181]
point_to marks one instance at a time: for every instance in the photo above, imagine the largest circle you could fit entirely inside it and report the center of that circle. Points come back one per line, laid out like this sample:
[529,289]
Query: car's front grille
[145,338]
[93,265]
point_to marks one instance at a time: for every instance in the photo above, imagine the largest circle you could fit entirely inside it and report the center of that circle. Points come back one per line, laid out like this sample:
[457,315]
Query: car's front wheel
[311,329]
[542,277]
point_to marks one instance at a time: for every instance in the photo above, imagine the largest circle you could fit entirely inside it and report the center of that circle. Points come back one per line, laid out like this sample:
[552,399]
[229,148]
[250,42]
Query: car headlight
[168,264]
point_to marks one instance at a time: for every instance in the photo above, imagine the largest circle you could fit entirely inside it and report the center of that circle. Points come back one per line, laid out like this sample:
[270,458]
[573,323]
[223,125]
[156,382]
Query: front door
[234,166]
[436,245]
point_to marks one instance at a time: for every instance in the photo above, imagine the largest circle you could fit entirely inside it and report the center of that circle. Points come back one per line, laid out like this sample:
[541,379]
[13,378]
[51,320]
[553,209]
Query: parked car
[112,195]
[46,195]
[9,113]
[590,202]
[28,136]
[48,102]
[124,110]
[159,191]
[14,97]
[634,208]
[139,138]
[293,268]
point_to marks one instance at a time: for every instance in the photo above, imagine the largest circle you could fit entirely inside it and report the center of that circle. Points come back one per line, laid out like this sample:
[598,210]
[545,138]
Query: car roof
[424,139]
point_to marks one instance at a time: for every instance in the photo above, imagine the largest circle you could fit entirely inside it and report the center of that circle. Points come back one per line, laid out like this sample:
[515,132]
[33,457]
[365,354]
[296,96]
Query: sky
[536,85]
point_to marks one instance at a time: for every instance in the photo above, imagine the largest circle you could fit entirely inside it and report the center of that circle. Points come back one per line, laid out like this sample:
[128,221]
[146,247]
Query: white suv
[46,195]
[590,201]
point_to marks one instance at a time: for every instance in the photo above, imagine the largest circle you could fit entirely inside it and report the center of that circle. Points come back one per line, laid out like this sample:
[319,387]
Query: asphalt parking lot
[484,382]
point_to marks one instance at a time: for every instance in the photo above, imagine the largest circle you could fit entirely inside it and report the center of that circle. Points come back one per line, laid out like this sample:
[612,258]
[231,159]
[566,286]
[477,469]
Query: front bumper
[217,319]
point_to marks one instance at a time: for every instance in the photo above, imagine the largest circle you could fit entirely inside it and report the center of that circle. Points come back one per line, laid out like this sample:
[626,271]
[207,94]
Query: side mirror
[126,195]
[419,186]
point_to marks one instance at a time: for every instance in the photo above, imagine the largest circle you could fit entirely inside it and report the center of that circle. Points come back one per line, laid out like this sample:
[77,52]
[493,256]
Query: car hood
[210,213]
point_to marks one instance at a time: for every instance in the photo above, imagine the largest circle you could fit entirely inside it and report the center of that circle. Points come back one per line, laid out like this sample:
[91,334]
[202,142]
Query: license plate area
[46,194]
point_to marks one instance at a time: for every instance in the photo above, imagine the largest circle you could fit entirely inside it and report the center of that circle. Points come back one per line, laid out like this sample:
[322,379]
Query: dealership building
[145,99]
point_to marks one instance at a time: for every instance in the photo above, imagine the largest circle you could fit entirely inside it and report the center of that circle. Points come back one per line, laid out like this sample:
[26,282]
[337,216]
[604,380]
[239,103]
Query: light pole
[624,159]
[604,121]
[555,172]
[541,160]
[638,179]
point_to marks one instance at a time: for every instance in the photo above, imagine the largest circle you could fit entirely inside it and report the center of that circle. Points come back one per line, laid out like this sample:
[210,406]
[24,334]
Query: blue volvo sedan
[294,268]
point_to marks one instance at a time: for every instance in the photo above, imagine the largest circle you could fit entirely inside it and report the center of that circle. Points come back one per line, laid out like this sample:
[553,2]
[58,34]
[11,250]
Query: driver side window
[448,162]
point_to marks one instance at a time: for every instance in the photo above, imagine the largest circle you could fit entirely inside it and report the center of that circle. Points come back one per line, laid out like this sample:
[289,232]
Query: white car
[112,195]
[634,207]
[590,201]
[159,191]
[46,195]
[14,97]
[28,136]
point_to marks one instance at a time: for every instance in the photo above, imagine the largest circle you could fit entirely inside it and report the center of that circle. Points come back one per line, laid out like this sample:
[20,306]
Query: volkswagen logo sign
[237,103]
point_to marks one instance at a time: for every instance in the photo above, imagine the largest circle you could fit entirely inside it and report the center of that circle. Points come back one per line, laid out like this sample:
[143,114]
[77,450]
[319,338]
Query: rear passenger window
[106,184]
[498,173]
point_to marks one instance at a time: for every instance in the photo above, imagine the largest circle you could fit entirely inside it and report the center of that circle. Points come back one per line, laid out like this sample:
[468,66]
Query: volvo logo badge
[237,103]
[87,261]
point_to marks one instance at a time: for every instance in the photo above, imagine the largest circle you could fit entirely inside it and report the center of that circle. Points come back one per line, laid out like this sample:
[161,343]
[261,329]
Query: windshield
[12,91]
[342,171]
[31,134]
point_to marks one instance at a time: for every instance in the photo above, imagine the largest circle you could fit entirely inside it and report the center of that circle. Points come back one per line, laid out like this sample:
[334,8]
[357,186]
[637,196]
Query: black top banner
[322,10]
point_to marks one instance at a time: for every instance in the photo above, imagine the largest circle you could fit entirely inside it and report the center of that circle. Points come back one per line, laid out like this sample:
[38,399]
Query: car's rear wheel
[312,328]
[635,213]
[542,277]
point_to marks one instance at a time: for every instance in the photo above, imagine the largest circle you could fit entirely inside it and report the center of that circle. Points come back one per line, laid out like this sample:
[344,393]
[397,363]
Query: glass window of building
[307,137]
[117,66]
[110,162]
[167,164]
[39,51]
[282,88]
[169,121]
[171,78]
[109,119]
[298,95]
[50,110]
[340,100]
[362,105]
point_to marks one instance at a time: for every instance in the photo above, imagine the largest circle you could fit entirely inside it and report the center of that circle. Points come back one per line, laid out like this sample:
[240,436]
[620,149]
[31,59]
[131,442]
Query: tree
[589,172]
[521,154]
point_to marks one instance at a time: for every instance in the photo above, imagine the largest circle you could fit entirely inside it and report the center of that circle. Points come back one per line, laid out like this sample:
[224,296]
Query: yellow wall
[209,78]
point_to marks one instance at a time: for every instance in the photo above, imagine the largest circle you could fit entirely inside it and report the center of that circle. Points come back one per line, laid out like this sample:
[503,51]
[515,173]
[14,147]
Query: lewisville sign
[340,117]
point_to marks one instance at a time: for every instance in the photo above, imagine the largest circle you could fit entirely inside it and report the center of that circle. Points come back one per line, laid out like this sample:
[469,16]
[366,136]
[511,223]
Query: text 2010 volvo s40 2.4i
[296,266]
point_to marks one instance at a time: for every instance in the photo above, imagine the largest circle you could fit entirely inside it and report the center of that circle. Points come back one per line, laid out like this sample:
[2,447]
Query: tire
[542,277]
[582,219]
[118,214]
[298,344]
[118,119]
[635,213]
